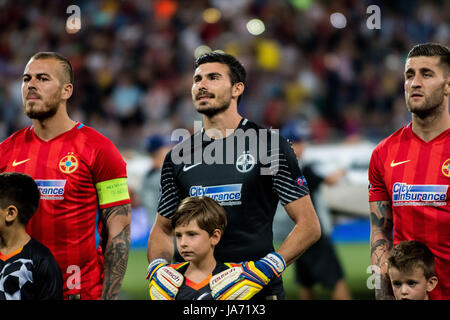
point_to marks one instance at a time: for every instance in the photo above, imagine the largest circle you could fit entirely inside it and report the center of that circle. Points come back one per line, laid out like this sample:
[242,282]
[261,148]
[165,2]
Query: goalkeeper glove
[243,281]
[164,280]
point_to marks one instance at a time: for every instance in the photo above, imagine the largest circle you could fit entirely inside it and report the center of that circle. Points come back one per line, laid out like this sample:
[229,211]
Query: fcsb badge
[68,164]
[446,168]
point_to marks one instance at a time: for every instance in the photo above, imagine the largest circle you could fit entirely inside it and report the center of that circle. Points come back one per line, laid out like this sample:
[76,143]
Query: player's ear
[66,91]
[447,82]
[215,236]
[11,213]
[238,89]
[431,283]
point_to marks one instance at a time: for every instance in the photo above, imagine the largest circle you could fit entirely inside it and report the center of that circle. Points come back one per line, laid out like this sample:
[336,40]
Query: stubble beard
[429,106]
[47,111]
[212,110]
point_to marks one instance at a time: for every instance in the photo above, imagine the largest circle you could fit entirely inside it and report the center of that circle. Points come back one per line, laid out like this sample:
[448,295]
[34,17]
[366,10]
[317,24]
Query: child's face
[193,243]
[411,285]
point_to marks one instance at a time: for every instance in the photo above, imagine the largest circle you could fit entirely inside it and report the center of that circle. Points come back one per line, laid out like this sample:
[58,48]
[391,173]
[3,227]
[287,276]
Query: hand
[164,280]
[244,280]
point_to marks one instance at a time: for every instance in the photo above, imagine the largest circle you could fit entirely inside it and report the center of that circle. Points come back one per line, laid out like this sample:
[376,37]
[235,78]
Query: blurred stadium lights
[165,9]
[201,50]
[301,4]
[211,15]
[268,54]
[338,20]
[256,27]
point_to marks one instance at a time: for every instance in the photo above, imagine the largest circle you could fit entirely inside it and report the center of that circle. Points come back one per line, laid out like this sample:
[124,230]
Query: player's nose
[182,241]
[31,84]
[404,290]
[416,82]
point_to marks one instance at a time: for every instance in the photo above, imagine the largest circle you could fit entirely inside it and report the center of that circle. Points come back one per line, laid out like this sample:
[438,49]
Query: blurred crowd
[133,61]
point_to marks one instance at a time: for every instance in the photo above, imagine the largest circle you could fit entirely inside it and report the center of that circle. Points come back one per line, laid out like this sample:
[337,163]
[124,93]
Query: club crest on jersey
[446,168]
[245,162]
[68,164]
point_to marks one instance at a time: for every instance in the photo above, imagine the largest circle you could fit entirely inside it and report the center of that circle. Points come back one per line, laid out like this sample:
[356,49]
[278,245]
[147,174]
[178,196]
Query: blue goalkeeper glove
[164,280]
[244,280]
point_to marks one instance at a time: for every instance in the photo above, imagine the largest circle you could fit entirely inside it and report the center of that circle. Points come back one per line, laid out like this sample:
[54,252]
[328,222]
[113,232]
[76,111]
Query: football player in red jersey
[82,180]
[409,171]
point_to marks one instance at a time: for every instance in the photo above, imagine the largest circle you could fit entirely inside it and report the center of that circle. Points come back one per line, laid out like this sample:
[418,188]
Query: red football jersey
[415,176]
[74,172]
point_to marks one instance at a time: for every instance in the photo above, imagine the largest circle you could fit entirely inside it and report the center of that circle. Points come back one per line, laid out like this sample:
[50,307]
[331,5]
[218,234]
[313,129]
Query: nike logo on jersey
[20,162]
[393,164]
[187,168]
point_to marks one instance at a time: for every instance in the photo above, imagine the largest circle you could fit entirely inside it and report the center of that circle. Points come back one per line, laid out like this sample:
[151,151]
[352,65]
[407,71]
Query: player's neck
[430,127]
[200,270]
[13,239]
[225,122]
[50,128]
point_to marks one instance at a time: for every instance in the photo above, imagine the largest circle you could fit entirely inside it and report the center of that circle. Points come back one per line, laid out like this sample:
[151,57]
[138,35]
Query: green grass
[354,258]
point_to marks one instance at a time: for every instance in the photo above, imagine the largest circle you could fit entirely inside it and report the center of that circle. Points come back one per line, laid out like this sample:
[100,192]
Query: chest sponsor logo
[419,195]
[446,168]
[229,194]
[51,189]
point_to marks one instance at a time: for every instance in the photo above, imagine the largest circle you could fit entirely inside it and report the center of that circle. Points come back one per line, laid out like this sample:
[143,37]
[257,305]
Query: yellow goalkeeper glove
[243,281]
[164,280]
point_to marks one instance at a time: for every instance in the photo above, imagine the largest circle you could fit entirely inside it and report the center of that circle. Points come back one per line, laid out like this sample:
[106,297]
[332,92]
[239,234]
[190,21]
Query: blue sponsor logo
[228,192]
[51,189]
[404,192]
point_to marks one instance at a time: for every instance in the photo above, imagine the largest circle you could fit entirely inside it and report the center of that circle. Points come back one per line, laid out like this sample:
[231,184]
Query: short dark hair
[66,65]
[237,71]
[21,191]
[431,49]
[207,212]
[408,255]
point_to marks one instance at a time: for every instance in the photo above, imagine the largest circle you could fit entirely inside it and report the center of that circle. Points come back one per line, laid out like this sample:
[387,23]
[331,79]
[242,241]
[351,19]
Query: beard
[47,110]
[222,104]
[214,110]
[430,104]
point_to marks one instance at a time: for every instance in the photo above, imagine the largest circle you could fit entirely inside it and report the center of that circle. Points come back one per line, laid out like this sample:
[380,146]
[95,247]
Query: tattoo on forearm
[381,242]
[116,258]
[378,249]
[117,210]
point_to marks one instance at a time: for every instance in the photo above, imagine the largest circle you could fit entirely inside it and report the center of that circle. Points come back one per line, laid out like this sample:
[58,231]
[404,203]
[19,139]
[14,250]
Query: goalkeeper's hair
[21,191]
[408,255]
[207,212]
[236,72]
[431,49]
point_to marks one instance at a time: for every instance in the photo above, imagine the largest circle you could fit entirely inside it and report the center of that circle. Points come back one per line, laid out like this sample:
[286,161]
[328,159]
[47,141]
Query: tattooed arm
[381,243]
[117,222]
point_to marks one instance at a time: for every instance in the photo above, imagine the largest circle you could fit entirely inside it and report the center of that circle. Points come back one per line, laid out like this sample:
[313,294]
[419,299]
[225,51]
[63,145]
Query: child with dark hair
[411,271]
[199,224]
[28,270]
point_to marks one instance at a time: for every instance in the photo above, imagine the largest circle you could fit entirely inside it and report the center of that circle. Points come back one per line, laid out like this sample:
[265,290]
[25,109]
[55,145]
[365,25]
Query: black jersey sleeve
[169,198]
[48,275]
[287,177]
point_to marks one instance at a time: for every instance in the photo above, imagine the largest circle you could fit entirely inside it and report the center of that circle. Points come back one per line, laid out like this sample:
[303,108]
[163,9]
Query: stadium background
[312,60]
